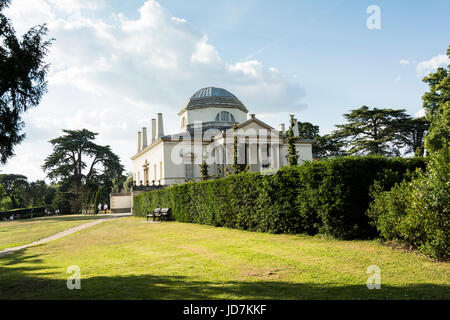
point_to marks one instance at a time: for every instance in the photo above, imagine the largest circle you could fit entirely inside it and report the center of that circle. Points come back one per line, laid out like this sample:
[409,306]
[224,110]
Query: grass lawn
[128,258]
[19,232]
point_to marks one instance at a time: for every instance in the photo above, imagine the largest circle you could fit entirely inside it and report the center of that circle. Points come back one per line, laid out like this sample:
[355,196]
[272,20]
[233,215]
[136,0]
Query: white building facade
[216,131]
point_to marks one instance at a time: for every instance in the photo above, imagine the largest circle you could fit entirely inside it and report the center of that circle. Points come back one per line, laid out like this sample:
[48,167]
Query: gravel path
[64,233]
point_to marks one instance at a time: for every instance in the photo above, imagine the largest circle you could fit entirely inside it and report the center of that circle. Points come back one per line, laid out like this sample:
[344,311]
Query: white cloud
[77,5]
[398,78]
[429,66]
[107,75]
[404,61]
[421,113]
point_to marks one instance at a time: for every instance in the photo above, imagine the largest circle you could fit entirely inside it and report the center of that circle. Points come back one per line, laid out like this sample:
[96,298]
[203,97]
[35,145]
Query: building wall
[153,156]
[121,202]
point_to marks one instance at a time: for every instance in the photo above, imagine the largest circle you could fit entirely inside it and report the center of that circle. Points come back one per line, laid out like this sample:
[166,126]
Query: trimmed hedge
[24,213]
[329,197]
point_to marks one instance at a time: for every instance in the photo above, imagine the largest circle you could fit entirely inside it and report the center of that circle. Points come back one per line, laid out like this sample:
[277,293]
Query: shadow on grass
[31,280]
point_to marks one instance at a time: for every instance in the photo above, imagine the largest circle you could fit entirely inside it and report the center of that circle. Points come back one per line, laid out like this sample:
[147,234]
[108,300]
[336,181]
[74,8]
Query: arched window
[224,116]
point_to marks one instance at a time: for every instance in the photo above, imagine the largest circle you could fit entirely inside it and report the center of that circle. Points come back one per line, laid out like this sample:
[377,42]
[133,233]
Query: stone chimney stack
[160,127]
[153,131]
[139,142]
[282,127]
[296,130]
[144,138]
[252,116]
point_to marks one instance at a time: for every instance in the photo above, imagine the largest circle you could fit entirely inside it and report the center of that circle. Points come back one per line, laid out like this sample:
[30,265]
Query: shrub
[329,196]
[416,212]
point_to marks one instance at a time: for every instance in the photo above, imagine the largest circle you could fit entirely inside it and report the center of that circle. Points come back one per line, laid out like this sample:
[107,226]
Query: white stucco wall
[120,201]
[154,155]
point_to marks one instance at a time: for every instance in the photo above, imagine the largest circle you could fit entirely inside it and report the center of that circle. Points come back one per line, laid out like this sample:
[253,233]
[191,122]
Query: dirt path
[64,233]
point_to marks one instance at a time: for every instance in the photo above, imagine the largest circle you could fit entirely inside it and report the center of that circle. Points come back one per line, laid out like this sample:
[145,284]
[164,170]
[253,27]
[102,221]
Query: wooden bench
[160,213]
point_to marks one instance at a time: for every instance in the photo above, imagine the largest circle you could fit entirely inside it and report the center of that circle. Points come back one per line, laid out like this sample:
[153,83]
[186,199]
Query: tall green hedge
[329,197]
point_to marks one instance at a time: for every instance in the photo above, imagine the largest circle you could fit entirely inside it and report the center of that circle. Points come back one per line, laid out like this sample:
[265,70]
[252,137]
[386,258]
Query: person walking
[99,208]
[105,208]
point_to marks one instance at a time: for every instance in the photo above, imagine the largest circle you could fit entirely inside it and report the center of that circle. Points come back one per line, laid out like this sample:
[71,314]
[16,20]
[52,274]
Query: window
[183,122]
[224,116]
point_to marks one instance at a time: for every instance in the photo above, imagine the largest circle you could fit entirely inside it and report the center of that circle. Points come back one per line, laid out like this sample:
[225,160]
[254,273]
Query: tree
[307,130]
[371,131]
[97,200]
[204,170]
[36,194]
[15,186]
[327,146]
[128,183]
[292,152]
[68,163]
[236,167]
[22,79]
[436,103]
[412,133]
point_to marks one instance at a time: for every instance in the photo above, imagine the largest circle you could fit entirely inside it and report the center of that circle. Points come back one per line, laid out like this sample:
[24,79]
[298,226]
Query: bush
[416,212]
[329,196]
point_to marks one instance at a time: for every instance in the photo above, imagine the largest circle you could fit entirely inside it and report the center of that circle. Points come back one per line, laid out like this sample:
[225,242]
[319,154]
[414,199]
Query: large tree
[22,78]
[80,164]
[436,103]
[371,131]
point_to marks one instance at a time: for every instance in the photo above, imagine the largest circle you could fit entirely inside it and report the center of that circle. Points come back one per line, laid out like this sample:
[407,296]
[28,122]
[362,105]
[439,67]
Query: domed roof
[213,92]
[213,97]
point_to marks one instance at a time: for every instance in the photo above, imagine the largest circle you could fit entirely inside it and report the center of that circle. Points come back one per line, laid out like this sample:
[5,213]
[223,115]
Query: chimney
[252,116]
[296,131]
[153,131]
[139,142]
[160,127]
[281,127]
[144,138]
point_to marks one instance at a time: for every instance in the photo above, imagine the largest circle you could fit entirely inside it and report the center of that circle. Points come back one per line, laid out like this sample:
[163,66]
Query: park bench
[159,213]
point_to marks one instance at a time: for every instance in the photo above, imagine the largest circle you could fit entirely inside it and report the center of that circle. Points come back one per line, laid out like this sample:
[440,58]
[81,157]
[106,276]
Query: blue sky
[115,64]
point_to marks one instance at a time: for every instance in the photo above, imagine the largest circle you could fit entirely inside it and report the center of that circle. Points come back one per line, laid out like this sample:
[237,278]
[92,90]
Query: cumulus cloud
[108,75]
[429,66]
[404,61]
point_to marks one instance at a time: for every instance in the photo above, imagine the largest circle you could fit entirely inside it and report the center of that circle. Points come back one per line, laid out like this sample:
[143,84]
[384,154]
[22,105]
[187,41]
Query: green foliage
[411,133]
[417,212]
[68,164]
[22,78]
[204,170]
[437,106]
[371,131]
[328,196]
[292,152]
[15,186]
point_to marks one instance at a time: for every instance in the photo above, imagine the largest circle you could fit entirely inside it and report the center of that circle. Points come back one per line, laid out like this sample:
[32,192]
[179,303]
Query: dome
[213,92]
[213,97]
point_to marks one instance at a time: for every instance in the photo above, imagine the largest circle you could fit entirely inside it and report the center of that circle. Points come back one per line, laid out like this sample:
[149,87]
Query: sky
[115,64]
